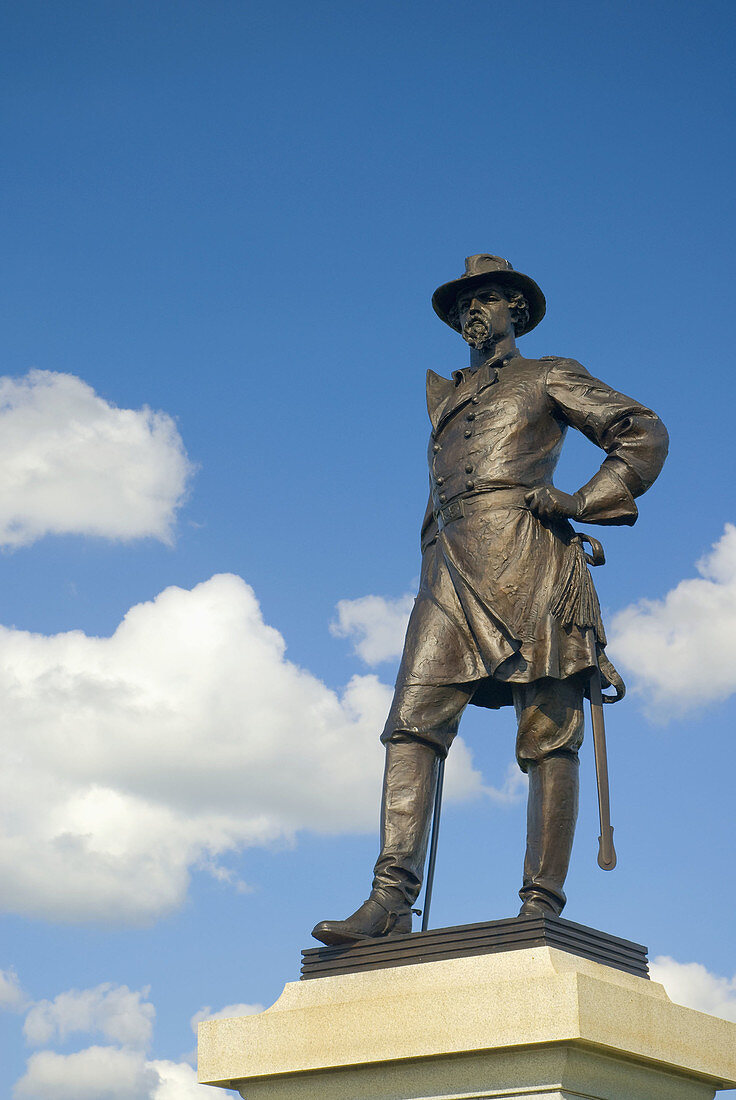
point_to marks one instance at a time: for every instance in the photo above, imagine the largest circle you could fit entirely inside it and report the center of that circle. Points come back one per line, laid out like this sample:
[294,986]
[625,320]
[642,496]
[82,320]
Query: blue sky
[233,216]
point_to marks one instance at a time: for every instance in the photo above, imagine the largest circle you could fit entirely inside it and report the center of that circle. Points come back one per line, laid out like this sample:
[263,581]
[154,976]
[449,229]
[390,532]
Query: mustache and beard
[478,332]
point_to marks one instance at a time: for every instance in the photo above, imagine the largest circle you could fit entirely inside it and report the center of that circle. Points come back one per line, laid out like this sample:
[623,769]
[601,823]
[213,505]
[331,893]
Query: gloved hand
[546,502]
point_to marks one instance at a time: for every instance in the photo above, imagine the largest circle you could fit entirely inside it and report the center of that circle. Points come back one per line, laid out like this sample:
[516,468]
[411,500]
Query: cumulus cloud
[113,1072]
[72,463]
[186,735]
[120,1014]
[691,984]
[375,625]
[107,1073]
[679,649]
[12,997]
[96,1073]
[178,1081]
[514,786]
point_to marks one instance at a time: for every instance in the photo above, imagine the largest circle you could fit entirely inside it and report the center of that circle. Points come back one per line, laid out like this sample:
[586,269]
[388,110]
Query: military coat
[506,597]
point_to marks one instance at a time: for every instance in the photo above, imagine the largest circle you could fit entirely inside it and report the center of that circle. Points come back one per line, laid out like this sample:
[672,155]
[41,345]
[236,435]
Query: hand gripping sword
[606,850]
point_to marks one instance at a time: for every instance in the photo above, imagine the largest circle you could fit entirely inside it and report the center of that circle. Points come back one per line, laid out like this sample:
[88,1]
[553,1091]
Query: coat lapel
[441,393]
[445,397]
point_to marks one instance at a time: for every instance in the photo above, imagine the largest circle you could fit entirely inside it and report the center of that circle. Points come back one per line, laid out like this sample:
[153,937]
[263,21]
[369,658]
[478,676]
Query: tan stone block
[535,1023]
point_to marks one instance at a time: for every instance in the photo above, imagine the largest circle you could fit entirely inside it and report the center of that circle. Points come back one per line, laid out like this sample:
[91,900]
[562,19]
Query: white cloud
[113,1072]
[107,1073]
[186,735]
[375,625]
[96,1073]
[122,1015]
[12,997]
[514,786]
[178,1081]
[691,984]
[72,463]
[226,1013]
[679,650]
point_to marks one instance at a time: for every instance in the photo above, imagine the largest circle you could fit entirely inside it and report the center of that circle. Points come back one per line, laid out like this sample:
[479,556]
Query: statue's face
[485,315]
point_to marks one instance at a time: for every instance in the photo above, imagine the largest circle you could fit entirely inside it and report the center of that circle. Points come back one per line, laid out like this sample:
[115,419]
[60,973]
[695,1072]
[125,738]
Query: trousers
[549,714]
[550,732]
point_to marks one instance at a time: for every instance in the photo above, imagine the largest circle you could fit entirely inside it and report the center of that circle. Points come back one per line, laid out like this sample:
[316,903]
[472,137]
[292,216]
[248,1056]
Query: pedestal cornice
[482,1007]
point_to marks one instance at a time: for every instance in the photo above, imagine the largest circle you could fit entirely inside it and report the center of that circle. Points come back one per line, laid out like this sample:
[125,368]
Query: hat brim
[445,297]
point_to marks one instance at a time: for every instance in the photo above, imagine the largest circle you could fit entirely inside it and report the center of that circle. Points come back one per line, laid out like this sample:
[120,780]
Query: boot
[409,783]
[552,811]
[380,915]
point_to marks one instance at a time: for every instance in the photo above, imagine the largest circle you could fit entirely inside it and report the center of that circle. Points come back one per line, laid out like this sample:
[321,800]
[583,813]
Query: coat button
[469,484]
[440,480]
[470,416]
[443,498]
[436,448]
[467,433]
[475,400]
[468,469]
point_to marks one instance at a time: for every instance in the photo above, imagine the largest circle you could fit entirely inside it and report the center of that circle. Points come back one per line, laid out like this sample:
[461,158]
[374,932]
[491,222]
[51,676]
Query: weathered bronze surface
[506,611]
[511,934]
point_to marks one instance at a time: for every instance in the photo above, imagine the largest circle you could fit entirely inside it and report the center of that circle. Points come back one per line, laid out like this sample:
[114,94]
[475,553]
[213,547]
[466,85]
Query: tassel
[574,600]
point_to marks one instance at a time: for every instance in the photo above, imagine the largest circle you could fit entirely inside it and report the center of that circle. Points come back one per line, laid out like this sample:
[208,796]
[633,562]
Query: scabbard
[606,850]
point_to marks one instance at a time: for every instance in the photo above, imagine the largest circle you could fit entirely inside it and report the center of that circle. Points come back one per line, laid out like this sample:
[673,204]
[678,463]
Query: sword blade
[433,843]
[606,851]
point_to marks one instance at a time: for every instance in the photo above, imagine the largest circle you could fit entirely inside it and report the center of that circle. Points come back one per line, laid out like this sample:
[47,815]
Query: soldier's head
[480,298]
[487,312]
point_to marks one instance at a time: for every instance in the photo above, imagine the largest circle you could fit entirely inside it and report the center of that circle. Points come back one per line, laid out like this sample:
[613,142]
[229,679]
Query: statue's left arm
[634,438]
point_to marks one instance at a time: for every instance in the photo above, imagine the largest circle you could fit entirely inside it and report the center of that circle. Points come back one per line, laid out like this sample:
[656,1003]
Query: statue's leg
[409,783]
[550,714]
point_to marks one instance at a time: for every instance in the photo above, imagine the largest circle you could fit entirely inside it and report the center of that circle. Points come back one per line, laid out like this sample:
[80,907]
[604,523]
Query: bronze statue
[506,611]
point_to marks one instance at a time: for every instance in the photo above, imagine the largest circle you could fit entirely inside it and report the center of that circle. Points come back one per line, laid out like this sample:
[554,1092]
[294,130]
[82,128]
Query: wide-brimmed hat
[482,269]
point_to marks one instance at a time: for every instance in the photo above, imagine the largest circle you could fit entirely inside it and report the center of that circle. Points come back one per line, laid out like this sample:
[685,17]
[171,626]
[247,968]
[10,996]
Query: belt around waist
[455,508]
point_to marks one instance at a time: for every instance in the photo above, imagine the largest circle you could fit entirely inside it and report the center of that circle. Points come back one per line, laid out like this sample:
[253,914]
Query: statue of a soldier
[506,611]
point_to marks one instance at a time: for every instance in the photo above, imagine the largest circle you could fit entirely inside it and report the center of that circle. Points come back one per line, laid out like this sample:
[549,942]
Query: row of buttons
[468,470]
[469,485]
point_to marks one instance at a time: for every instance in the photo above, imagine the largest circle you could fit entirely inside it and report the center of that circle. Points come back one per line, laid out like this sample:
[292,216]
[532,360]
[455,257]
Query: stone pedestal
[536,1023]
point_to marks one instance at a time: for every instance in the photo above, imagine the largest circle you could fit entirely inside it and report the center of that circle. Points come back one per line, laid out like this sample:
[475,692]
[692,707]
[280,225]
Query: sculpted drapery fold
[506,597]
